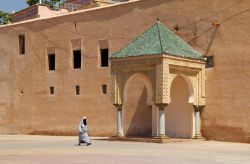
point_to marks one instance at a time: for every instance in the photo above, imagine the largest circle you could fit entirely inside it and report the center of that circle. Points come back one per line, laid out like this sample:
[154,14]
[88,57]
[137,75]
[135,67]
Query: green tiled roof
[158,40]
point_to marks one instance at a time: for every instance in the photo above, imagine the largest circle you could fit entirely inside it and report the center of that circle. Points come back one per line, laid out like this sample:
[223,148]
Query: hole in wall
[176,28]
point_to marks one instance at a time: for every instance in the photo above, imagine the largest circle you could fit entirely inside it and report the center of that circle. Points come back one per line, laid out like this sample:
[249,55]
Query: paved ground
[63,150]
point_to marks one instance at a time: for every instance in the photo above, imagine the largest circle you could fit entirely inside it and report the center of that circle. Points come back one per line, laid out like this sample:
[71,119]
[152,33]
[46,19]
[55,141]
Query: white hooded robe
[83,132]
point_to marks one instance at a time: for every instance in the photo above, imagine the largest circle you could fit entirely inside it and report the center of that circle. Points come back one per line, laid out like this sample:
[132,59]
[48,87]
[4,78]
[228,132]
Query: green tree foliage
[4,17]
[32,2]
[55,4]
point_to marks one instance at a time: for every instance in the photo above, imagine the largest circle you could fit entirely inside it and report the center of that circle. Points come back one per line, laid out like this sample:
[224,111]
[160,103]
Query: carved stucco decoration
[161,71]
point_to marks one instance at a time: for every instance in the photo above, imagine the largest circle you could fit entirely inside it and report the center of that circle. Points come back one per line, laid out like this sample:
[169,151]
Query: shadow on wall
[137,114]
[179,113]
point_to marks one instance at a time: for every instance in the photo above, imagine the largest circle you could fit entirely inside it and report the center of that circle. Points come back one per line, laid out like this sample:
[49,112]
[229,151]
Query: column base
[161,139]
[116,137]
[198,137]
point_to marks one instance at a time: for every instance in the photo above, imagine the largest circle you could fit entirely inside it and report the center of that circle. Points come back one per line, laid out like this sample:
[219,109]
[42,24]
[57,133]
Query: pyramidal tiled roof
[158,40]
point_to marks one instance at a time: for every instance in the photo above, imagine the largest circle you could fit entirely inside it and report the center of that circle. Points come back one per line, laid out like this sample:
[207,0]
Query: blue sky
[10,5]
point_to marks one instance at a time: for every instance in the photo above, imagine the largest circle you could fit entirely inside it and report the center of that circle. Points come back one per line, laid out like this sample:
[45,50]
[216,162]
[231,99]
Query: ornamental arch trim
[190,86]
[147,82]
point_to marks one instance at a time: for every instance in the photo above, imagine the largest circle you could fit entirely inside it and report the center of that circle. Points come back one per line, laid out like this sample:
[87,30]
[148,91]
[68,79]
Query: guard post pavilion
[159,56]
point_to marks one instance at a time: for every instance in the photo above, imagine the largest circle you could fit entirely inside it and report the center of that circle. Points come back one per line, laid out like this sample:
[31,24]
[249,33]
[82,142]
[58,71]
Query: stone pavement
[23,149]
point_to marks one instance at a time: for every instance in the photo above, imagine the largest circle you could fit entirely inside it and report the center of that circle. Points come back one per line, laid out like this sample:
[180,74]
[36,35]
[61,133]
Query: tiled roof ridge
[136,39]
[179,39]
[159,33]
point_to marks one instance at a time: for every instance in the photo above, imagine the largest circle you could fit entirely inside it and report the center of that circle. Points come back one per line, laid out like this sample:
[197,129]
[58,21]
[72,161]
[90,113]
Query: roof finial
[157,19]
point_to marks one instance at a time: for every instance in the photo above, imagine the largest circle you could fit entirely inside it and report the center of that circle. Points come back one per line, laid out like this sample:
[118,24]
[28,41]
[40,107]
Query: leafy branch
[4,17]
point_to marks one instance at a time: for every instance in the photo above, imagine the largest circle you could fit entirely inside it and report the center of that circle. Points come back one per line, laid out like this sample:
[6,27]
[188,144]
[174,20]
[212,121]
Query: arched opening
[137,113]
[179,113]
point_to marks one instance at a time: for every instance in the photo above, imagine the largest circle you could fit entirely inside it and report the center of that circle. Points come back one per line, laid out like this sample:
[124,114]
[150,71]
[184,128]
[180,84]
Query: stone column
[119,121]
[161,120]
[197,116]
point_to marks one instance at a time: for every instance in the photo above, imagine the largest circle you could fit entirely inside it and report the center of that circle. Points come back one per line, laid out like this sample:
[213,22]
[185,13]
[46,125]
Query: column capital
[161,104]
[118,105]
[198,108]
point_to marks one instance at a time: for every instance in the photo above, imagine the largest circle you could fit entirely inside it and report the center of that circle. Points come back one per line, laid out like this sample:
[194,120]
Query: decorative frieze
[161,71]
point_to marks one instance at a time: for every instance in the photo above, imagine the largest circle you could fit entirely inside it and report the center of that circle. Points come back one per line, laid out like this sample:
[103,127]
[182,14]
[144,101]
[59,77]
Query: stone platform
[161,140]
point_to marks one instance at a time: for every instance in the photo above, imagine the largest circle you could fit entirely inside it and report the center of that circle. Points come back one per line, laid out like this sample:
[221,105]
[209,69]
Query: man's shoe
[88,143]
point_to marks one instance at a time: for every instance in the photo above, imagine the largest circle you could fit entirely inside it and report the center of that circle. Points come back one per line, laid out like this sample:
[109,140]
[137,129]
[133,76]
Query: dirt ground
[23,149]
